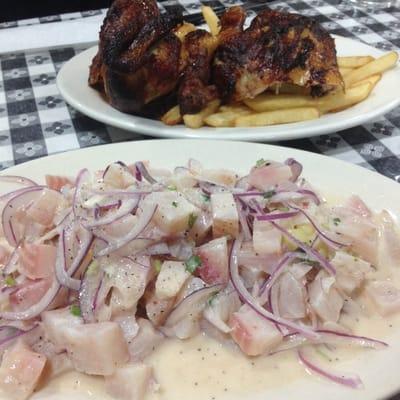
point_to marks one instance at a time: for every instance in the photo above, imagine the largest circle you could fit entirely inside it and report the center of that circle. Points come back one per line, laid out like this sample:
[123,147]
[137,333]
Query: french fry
[354,62]
[288,88]
[212,19]
[373,80]
[341,100]
[172,116]
[343,70]
[278,117]
[377,66]
[225,118]
[197,120]
[239,108]
[270,102]
[183,30]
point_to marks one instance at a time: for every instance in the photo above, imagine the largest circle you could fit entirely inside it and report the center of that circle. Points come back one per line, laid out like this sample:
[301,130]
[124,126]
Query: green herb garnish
[260,163]
[75,310]
[205,197]
[175,204]
[212,299]
[269,194]
[172,188]
[192,263]
[93,267]
[192,220]
[337,221]
[10,281]
[157,265]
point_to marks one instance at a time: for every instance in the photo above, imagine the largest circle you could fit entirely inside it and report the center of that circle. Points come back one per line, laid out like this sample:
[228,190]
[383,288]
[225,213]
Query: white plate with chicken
[227,271]
[282,77]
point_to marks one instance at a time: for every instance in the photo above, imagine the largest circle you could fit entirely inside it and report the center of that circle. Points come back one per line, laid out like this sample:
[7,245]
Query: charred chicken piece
[194,91]
[138,57]
[277,48]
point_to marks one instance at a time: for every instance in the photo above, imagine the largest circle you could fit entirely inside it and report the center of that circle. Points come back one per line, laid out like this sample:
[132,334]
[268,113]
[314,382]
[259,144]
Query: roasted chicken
[145,56]
[277,48]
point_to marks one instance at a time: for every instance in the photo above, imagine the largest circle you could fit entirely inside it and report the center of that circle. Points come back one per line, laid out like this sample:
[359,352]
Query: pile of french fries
[288,103]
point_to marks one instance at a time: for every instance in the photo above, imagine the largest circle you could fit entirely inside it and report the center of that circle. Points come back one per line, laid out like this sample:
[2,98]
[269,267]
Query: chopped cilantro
[336,221]
[260,163]
[175,204]
[157,265]
[172,187]
[269,194]
[192,220]
[10,281]
[205,197]
[192,263]
[75,310]
[93,267]
[212,299]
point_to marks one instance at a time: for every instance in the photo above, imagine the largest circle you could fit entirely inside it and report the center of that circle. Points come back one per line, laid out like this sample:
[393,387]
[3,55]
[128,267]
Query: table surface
[35,120]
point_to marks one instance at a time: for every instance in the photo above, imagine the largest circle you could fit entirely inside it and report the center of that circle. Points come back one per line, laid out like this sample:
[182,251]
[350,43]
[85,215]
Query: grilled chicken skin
[146,58]
[138,57]
[277,48]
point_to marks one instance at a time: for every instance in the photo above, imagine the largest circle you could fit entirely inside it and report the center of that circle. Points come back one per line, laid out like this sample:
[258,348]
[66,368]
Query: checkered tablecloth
[35,120]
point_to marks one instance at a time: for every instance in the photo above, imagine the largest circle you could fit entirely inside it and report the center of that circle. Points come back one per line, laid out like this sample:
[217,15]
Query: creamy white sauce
[203,369]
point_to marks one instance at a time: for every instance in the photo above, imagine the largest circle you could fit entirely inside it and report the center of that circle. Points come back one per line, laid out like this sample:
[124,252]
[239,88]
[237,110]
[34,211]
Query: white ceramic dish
[72,83]
[378,369]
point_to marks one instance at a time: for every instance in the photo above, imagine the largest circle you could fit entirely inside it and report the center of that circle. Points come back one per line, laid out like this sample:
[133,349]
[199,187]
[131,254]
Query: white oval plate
[379,370]
[72,83]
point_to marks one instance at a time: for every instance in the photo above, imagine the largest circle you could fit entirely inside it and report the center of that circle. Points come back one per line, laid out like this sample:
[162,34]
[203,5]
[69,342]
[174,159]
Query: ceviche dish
[153,280]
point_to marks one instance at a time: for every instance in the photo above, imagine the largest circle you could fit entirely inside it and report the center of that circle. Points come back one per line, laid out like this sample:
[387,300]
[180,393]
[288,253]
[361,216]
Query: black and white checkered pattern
[35,120]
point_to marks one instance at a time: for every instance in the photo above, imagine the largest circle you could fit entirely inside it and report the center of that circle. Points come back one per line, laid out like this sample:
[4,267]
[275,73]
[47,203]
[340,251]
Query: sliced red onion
[126,208]
[243,222]
[12,262]
[88,294]
[156,249]
[209,188]
[21,199]
[265,288]
[295,167]
[18,179]
[329,241]
[249,194]
[181,249]
[283,196]
[144,173]
[83,176]
[35,309]
[122,164]
[277,216]
[329,336]
[142,222]
[307,249]
[311,194]
[252,303]
[63,277]
[352,381]
[15,334]
[191,304]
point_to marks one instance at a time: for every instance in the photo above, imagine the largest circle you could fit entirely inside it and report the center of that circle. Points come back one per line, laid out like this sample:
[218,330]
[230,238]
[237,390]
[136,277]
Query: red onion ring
[18,179]
[351,381]
[190,303]
[295,167]
[277,216]
[252,303]
[307,249]
[82,177]
[329,241]
[14,203]
[63,277]
[144,173]
[142,222]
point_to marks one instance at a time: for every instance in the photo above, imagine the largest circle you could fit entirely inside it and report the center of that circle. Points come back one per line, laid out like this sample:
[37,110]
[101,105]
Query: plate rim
[154,128]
